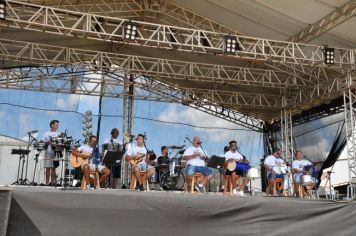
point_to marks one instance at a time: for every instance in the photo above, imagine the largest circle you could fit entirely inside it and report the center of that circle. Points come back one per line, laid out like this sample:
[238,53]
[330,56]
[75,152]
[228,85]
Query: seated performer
[92,152]
[299,166]
[195,157]
[270,162]
[137,155]
[235,156]
[114,144]
[163,159]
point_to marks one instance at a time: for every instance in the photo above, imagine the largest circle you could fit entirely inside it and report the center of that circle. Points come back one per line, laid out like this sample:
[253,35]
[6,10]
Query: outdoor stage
[49,211]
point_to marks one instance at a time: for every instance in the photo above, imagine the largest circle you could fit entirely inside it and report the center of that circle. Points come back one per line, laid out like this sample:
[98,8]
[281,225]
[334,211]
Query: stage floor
[50,211]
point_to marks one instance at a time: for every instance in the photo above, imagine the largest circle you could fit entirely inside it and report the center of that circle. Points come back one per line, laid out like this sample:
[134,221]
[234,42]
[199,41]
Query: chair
[196,176]
[96,179]
[228,183]
[134,180]
[279,182]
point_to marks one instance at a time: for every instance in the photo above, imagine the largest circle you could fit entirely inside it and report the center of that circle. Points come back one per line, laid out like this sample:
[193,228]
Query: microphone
[33,131]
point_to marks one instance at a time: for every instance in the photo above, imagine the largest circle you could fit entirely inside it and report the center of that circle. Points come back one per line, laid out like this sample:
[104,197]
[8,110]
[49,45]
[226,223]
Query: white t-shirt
[47,137]
[299,164]
[273,161]
[133,150]
[113,140]
[196,161]
[86,149]
[236,156]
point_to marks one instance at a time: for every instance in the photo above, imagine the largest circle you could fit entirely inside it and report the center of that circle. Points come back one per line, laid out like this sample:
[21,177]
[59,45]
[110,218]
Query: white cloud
[68,102]
[197,118]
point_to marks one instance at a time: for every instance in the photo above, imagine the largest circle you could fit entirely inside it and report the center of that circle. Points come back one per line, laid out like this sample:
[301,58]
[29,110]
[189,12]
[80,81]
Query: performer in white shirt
[195,157]
[234,156]
[91,151]
[114,144]
[270,163]
[47,138]
[299,170]
[138,154]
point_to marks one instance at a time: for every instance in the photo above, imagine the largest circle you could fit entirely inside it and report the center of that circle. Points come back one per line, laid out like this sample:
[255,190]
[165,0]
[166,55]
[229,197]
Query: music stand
[216,162]
[111,160]
[22,155]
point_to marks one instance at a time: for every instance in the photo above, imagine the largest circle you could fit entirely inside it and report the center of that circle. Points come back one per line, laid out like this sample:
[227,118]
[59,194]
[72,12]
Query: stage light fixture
[329,55]
[231,44]
[2,10]
[130,31]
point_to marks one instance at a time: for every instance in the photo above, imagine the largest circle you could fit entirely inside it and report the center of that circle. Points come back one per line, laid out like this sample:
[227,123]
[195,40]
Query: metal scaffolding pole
[127,124]
[350,129]
[287,134]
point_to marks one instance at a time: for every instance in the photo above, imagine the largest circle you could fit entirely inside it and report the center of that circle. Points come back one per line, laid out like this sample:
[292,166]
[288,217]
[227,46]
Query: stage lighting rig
[329,55]
[231,44]
[130,30]
[2,9]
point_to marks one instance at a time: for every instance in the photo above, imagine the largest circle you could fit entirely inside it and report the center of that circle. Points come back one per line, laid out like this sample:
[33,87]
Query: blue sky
[150,117]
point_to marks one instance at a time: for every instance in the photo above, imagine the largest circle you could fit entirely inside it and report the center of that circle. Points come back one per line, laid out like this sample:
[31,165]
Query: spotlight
[130,31]
[329,55]
[231,44]
[2,9]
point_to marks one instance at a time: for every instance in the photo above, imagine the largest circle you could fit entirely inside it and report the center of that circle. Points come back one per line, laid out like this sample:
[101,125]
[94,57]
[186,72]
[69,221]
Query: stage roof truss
[69,23]
[82,81]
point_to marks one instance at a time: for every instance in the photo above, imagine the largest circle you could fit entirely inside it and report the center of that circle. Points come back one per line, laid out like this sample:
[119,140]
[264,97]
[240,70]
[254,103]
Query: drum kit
[60,144]
[169,172]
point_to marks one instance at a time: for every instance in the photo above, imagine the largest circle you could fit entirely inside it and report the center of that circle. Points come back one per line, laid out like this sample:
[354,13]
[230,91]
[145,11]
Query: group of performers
[235,165]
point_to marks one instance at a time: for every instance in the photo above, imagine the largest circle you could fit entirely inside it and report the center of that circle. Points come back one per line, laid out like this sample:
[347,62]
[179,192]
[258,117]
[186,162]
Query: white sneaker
[234,192]
[241,193]
[88,187]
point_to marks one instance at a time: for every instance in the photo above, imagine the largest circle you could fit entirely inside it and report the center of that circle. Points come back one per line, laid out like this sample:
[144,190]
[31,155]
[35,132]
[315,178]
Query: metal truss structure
[81,80]
[287,134]
[326,23]
[350,128]
[266,79]
[98,27]
[168,13]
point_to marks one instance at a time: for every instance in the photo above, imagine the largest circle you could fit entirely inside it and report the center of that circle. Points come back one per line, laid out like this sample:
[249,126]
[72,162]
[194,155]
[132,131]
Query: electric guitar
[78,161]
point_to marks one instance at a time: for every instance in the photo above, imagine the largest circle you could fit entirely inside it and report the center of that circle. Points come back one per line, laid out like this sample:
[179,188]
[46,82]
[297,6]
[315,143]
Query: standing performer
[50,173]
[195,157]
[91,151]
[114,144]
[137,155]
[270,162]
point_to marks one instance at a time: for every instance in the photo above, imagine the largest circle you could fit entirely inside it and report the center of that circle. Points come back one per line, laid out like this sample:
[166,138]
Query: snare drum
[40,146]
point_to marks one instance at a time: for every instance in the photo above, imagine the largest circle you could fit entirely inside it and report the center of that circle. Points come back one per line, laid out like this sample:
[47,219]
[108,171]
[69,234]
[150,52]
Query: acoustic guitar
[150,154]
[78,161]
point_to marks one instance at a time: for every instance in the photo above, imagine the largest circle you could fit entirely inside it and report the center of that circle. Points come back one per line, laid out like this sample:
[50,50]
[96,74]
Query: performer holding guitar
[139,159]
[88,157]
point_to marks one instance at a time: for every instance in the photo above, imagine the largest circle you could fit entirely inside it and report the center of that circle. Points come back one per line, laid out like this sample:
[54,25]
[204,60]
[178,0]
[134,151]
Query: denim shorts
[275,176]
[191,170]
[143,166]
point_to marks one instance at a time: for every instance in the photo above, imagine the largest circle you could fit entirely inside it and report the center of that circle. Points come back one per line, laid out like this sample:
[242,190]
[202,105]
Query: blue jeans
[191,170]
